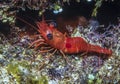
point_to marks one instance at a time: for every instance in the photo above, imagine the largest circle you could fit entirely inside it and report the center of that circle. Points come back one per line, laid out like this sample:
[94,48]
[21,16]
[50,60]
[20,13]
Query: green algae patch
[43,80]
[14,70]
[37,80]
[21,72]
[17,70]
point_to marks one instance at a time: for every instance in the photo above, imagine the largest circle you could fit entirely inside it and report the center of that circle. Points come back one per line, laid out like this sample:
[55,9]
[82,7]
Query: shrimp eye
[49,36]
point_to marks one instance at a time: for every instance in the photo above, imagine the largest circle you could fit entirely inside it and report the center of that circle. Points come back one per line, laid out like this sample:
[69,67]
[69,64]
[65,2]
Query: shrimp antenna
[43,18]
[27,23]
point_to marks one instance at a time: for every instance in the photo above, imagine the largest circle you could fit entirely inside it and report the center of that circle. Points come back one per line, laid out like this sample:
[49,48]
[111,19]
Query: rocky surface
[20,64]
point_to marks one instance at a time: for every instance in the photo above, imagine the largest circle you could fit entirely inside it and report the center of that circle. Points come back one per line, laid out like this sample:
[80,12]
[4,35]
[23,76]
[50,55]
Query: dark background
[107,13]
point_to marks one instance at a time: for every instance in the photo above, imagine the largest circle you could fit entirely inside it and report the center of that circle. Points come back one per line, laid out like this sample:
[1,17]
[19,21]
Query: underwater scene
[59,42]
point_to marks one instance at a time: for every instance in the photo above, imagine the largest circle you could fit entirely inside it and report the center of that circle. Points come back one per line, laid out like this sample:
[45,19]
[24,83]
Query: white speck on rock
[91,76]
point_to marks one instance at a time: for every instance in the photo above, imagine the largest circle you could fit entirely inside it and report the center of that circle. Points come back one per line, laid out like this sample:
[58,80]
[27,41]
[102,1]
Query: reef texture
[20,64]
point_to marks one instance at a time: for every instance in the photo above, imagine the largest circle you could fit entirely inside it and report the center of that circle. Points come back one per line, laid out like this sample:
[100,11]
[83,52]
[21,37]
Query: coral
[23,65]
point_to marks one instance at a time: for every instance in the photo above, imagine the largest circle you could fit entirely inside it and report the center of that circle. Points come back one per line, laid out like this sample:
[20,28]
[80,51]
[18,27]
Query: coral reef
[20,64]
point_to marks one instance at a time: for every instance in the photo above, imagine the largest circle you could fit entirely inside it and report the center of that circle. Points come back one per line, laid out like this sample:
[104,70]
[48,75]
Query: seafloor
[21,64]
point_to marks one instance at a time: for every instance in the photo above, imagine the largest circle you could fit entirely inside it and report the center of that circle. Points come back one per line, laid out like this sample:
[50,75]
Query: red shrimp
[59,41]
[70,45]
